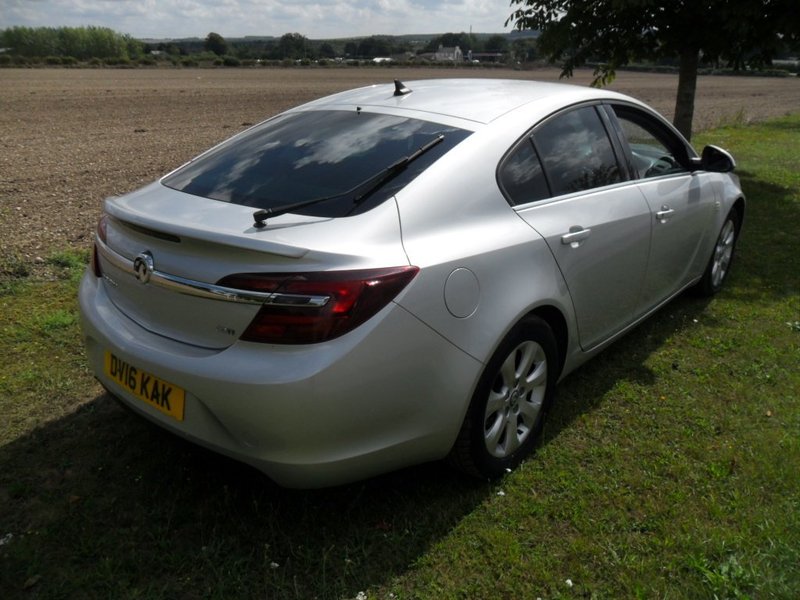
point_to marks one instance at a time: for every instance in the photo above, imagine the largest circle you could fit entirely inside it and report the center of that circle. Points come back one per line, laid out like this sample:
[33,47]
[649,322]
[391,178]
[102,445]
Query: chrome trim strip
[200,289]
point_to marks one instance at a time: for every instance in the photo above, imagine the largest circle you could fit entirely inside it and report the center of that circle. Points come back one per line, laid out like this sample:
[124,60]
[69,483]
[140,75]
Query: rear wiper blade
[359,192]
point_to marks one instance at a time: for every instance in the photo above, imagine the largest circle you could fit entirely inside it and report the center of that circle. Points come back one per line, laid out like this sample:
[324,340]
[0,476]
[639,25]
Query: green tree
[524,50]
[293,45]
[496,43]
[373,46]
[451,40]
[351,49]
[79,42]
[216,43]
[31,41]
[133,47]
[616,32]
[326,50]
[171,49]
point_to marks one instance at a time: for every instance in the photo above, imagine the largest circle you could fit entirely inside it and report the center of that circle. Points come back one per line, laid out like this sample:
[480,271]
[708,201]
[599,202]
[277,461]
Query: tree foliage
[375,45]
[79,42]
[463,40]
[293,45]
[614,33]
[216,43]
[524,50]
[496,43]
[326,50]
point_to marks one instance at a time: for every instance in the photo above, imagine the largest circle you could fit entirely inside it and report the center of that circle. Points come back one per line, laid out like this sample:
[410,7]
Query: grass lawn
[670,466]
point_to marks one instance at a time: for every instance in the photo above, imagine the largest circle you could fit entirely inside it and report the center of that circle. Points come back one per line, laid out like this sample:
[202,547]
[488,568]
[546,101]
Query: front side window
[576,152]
[314,154]
[653,150]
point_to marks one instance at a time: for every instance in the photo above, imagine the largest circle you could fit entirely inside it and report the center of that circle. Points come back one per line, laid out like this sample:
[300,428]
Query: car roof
[479,100]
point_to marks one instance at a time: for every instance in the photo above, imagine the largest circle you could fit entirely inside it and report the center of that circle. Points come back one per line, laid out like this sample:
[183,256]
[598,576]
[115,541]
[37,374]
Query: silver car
[399,273]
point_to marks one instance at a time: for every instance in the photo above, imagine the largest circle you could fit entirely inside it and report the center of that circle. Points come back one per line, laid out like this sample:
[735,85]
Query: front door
[681,203]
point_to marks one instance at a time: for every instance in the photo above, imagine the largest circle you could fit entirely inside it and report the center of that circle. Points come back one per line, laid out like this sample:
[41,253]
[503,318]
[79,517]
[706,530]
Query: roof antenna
[400,88]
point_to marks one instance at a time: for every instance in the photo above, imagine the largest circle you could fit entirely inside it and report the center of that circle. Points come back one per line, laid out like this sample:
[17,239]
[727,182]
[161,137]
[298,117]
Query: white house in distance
[448,54]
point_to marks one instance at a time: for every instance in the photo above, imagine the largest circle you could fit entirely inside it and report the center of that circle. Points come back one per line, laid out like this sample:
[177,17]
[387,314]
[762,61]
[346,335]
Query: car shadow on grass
[103,504]
[624,363]
[766,257]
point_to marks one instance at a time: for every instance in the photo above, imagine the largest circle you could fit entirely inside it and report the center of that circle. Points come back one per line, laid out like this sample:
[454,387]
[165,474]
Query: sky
[315,19]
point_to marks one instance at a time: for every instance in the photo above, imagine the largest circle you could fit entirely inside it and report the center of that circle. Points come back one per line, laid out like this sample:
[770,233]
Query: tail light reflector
[308,308]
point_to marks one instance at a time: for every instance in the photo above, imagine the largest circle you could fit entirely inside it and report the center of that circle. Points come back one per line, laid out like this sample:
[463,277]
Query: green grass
[43,373]
[669,466]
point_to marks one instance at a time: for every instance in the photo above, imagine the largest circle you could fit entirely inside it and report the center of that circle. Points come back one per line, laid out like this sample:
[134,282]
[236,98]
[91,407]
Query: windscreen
[315,154]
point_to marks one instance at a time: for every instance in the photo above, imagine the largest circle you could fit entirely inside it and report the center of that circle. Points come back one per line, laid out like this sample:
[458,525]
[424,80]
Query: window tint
[654,151]
[314,154]
[576,152]
[521,176]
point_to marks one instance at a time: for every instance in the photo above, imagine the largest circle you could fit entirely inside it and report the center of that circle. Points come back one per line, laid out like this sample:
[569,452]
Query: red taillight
[102,224]
[307,308]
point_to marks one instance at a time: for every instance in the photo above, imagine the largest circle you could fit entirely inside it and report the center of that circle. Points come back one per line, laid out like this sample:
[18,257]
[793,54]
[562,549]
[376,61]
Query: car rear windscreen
[315,154]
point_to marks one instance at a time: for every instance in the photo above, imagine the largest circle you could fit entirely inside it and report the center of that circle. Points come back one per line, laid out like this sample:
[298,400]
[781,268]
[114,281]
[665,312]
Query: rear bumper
[389,394]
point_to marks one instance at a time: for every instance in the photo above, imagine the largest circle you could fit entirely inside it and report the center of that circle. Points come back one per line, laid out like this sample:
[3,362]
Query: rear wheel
[508,407]
[720,262]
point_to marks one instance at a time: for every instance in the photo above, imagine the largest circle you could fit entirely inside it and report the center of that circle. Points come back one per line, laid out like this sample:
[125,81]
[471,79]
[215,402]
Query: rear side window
[522,177]
[314,154]
[576,152]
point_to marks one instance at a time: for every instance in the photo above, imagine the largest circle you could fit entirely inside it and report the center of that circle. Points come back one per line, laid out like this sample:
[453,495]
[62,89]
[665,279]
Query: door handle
[665,214]
[576,235]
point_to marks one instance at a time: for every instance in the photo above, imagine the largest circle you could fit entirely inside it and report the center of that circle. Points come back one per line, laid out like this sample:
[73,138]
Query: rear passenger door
[566,180]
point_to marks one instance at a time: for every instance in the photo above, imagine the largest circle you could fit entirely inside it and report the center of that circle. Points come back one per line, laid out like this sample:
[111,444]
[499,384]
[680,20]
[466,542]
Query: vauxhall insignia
[143,266]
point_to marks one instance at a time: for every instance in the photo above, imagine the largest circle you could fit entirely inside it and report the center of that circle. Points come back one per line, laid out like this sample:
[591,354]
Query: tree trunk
[687,84]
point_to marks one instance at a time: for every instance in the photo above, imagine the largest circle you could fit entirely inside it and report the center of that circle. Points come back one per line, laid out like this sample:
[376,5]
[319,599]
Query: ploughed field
[71,137]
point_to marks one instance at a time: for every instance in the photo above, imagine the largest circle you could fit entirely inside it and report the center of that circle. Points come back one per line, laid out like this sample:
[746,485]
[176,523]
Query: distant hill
[297,47]
[406,37]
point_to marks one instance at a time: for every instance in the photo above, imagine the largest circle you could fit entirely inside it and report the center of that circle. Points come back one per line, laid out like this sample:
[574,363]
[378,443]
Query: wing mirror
[714,159]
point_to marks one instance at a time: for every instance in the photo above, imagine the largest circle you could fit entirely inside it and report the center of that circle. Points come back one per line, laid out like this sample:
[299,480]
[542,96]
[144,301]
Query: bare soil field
[70,138]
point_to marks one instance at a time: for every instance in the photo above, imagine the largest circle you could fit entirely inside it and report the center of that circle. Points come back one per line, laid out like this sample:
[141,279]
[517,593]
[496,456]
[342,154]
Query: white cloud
[235,18]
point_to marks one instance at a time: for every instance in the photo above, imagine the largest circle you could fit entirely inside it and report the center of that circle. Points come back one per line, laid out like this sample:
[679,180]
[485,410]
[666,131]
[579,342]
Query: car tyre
[508,407]
[719,264]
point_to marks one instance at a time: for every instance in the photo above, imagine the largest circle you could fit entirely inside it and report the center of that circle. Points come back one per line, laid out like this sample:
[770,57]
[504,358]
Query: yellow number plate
[159,394]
